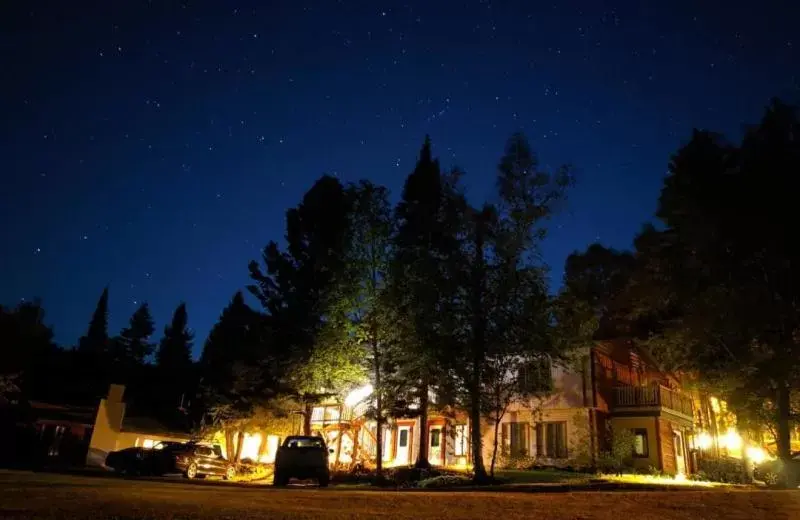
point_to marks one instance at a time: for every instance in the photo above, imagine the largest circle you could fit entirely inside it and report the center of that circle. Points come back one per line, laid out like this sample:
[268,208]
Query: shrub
[720,469]
[521,461]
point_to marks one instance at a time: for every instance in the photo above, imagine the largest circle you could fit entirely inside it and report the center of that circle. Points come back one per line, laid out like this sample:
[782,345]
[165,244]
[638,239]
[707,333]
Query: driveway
[40,495]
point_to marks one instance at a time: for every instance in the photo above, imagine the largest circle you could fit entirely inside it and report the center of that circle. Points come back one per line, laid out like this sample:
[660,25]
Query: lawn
[541,476]
[29,495]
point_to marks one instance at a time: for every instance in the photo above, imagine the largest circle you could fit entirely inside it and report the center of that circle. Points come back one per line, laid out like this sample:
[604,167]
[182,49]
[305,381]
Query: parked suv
[302,457]
[198,460]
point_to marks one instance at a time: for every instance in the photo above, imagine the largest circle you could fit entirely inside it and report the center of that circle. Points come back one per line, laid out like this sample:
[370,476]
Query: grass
[541,476]
[32,495]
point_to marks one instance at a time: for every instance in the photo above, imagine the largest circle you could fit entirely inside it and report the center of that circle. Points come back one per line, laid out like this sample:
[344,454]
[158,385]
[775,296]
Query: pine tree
[95,342]
[134,340]
[425,241]
[174,355]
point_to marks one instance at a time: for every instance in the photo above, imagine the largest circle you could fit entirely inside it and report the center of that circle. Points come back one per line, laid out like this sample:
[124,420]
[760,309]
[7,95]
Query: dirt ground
[39,495]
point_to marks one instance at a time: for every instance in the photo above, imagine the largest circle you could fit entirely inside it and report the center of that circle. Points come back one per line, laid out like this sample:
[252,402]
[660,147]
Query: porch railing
[652,395]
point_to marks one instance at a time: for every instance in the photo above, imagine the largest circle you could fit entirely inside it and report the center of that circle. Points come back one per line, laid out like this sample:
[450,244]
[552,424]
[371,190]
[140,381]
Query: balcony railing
[652,396]
[336,414]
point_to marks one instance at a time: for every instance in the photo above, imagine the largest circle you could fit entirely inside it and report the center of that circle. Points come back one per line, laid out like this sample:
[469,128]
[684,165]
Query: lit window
[436,437]
[402,441]
[640,448]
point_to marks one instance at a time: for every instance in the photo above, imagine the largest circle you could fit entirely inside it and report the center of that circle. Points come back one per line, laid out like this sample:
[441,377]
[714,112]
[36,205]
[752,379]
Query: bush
[521,461]
[247,470]
[618,459]
[720,469]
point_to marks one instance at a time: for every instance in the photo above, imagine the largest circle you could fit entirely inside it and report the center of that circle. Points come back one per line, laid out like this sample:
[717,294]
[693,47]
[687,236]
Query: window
[304,442]
[551,440]
[436,438]
[402,441]
[678,444]
[515,438]
[640,446]
[461,440]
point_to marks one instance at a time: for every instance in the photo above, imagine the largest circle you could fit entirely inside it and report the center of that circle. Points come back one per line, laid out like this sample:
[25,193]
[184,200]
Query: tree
[722,268]
[133,346]
[27,351]
[368,257]
[426,237]
[301,289]
[237,375]
[508,313]
[174,355]
[95,342]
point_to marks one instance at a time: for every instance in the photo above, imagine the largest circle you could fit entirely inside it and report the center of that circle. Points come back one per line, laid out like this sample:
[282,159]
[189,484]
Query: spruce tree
[95,342]
[174,355]
[134,340]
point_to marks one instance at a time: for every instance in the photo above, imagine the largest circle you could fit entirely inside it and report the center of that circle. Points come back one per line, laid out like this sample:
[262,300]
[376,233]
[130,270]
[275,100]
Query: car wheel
[230,473]
[279,480]
[324,480]
[191,471]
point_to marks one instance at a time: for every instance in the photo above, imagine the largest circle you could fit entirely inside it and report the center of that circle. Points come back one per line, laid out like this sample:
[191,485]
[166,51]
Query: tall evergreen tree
[175,349]
[302,290]
[236,375]
[95,342]
[174,356]
[425,238]
[134,345]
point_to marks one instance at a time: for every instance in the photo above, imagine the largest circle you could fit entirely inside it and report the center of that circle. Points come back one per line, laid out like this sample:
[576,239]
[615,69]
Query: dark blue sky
[155,146]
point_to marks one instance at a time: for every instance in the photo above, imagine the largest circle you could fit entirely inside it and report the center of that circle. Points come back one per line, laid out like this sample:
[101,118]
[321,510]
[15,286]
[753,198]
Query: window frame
[547,440]
[645,443]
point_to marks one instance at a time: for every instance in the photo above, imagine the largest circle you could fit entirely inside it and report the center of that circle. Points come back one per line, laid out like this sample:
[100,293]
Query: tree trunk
[379,438]
[307,411]
[784,440]
[494,448]
[478,348]
[378,405]
[239,445]
[230,449]
[422,454]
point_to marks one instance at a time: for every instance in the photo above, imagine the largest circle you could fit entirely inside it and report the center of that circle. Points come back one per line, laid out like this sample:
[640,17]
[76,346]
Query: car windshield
[304,442]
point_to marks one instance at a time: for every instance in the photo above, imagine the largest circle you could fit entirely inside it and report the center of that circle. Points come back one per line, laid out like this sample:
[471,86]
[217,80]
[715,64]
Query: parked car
[144,461]
[199,460]
[302,457]
[770,472]
[130,461]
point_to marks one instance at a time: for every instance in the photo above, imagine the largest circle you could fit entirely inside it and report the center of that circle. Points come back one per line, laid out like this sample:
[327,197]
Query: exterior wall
[654,438]
[581,435]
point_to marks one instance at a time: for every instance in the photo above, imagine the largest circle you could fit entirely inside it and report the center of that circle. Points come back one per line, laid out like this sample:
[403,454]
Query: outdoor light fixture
[357,395]
[756,454]
[731,440]
[703,441]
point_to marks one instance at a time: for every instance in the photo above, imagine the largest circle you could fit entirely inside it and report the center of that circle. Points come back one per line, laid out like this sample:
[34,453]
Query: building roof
[148,425]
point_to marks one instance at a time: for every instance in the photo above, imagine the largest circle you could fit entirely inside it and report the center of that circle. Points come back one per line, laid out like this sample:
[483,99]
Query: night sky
[155,146]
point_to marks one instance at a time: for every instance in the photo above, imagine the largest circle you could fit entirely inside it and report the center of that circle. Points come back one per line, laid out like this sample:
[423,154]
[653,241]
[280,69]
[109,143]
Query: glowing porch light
[756,454]
[703,441]
[731,440]
[357,395]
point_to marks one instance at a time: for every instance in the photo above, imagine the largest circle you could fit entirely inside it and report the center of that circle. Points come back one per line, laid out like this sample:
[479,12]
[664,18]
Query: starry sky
[154,146]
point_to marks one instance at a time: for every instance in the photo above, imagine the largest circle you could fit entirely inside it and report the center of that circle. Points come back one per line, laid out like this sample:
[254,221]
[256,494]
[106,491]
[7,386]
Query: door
[403,455]
[680,456]
[435,446]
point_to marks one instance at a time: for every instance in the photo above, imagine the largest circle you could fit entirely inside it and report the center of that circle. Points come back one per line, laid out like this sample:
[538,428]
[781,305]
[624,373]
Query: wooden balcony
[657,397]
